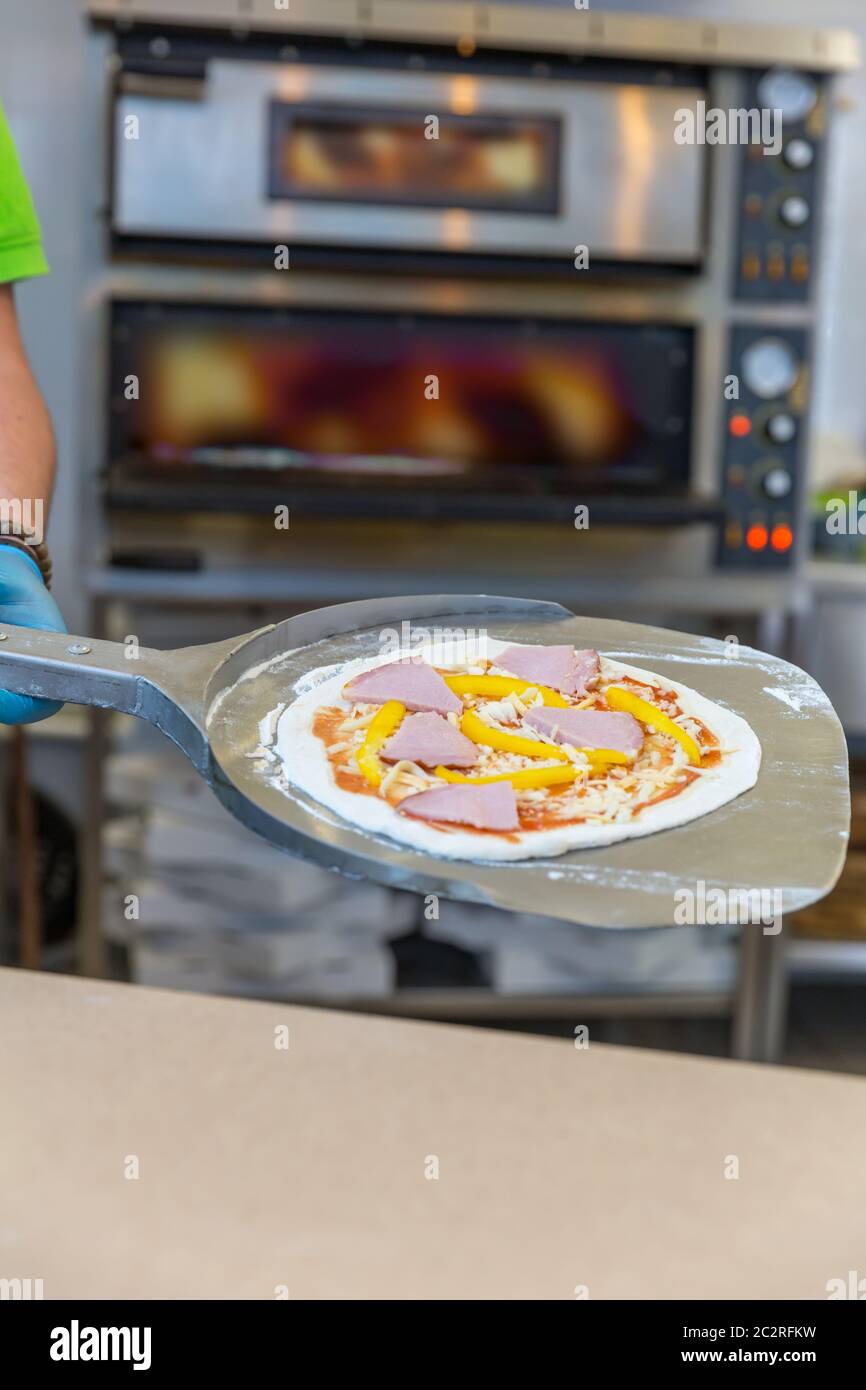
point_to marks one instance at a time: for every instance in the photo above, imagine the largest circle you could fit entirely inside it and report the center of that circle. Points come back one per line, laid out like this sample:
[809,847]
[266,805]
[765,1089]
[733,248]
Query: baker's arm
[26,479]
[26,437]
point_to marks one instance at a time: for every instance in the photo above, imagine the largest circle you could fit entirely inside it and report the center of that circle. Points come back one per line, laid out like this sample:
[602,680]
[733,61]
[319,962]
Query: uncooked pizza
[524,751]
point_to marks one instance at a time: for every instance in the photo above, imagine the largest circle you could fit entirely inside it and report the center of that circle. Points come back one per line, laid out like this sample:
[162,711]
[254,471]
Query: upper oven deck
[475,136]
[382,155]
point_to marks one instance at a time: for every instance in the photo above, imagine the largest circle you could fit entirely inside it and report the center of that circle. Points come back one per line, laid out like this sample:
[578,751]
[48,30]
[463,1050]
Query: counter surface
[263,1169]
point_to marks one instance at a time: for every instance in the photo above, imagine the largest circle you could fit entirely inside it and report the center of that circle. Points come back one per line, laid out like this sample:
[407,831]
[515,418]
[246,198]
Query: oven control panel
[763,429]
[779,188]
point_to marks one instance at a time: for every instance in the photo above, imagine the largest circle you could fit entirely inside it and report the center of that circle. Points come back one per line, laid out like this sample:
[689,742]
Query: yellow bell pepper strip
[529,776]
[621,699]
[379,731]
[500,686]
[479,732]
[522,777]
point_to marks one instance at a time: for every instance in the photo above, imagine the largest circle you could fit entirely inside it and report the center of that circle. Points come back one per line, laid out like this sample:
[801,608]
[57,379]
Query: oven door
[413,414]
[366,158]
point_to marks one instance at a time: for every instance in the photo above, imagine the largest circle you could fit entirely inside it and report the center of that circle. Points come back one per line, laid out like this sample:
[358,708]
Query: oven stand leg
[762,996]
[773,631]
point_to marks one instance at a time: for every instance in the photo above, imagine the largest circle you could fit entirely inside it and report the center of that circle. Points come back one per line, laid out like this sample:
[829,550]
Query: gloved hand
[25,601]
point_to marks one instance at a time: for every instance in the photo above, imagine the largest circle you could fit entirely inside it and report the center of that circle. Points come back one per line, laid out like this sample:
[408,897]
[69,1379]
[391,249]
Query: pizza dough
[305,764]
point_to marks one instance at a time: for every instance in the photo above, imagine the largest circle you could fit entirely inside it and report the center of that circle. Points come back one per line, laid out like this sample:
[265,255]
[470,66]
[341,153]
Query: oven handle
[656,511]
[604,509]
[184,83]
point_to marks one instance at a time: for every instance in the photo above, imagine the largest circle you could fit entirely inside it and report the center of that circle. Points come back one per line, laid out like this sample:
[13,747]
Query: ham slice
[589,728]
[429,739]
[562,668]
[491,806]
[415,684]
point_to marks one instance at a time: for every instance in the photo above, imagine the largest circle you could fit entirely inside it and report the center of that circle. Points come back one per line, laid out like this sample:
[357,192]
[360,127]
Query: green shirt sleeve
[21,254]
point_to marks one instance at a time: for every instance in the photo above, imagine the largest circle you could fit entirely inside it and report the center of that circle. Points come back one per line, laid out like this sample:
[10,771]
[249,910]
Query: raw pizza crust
[305,765]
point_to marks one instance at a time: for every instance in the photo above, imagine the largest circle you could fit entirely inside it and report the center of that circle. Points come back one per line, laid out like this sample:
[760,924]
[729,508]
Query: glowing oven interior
[430,401]
[394,156]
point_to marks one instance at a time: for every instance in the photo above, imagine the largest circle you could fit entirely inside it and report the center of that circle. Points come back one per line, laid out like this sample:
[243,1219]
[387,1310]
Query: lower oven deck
[581,423]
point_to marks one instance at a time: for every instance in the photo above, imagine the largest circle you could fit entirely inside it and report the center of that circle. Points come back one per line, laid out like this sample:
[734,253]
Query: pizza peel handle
[168,689]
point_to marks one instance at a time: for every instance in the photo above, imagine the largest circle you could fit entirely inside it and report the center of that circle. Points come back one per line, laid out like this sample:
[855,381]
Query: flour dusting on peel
[801,698]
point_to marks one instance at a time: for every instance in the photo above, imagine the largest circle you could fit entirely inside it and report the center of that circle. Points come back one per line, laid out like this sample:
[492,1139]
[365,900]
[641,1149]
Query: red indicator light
[739,425]
[782,538]
[757,538]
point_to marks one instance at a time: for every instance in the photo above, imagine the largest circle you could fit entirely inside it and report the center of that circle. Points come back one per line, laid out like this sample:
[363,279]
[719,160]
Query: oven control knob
[777,483]
[781,427]
[798,154]
[794,210]
[769,367]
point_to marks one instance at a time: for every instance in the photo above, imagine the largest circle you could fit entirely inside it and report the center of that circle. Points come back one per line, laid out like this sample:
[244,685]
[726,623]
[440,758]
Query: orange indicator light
[739,425]
[757,538]
[782,538]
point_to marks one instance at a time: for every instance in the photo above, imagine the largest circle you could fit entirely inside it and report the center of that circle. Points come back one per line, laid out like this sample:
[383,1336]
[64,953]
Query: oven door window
[409,158]
[429,402]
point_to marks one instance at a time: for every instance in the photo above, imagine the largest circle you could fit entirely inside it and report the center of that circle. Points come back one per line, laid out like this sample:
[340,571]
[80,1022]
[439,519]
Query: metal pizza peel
[787,834]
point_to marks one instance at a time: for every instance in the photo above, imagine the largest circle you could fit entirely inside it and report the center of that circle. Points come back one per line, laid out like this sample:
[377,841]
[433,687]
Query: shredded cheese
[407,771]
[357,722]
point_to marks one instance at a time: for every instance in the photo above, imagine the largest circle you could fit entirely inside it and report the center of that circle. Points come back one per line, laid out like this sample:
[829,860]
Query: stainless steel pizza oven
[389,156]
[467,261]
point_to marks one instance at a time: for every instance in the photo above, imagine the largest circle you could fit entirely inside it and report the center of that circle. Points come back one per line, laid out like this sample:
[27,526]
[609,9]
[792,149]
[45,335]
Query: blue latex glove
[25,601]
